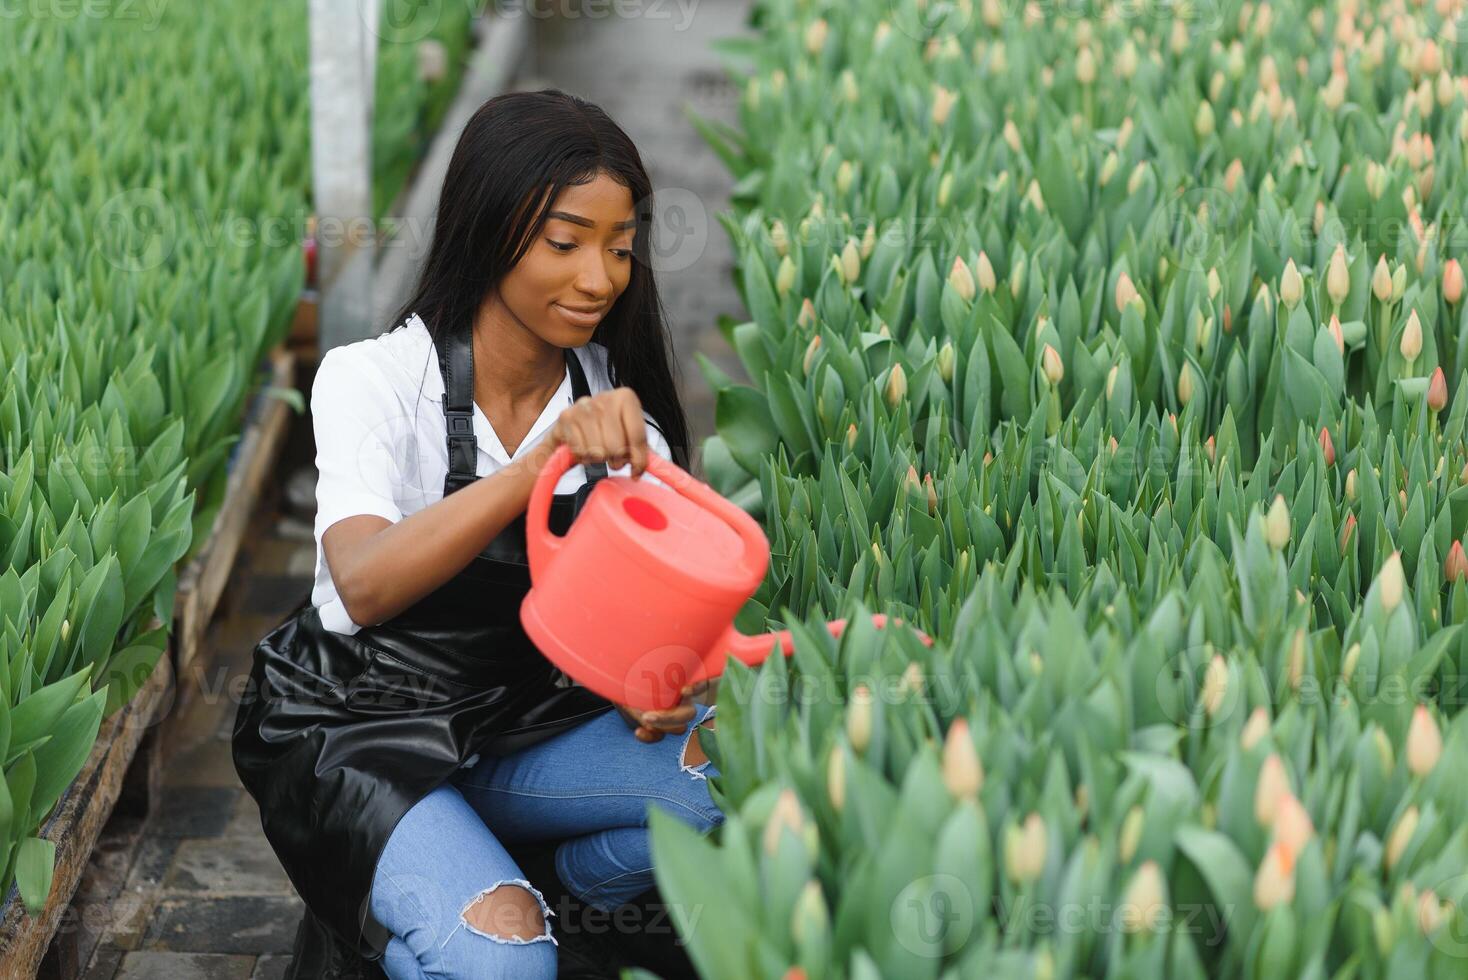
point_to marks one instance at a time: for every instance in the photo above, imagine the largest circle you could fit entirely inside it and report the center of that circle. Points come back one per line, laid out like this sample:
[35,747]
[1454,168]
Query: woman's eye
[561,246]
[623,253]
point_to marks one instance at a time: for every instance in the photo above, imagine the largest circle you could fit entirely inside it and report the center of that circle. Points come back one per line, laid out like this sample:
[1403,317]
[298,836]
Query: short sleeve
[355,417]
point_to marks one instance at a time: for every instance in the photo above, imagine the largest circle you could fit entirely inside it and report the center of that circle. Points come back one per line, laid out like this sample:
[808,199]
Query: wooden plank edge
[77,821]
[203,581]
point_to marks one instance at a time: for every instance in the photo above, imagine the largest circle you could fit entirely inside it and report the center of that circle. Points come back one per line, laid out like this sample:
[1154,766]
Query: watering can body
[638,599]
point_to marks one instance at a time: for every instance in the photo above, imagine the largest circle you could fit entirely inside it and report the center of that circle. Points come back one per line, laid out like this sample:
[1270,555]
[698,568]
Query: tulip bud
[1381,280]
[961,280]
[1411,344]
[1347,530]
[1138,175]
[1351,485]
[1392,582]
[963,773]
[1085,66]
[1334,94]
[1254,729]
[1126,292]
[65,629]
[1349,661]
[1185,384]
[1277,524]
[1232,174]
[1455,567]
[810,354]
[1273,786]
[1131,834]
[1203,120]
[807,314]
[1274,884]
[851,261]
[932,492]
[1024,850]
[1432,913]
[1401,836]
[859,718]
[1327,447]
[815,35]
[779,239]
[1215,685]
[984,271]
[945,189]
[1054,369]
[1292,825]
[1399,282]
[785,815]
[896,386]
[1108,168]
[1336,334]
[1291,285]
[1338,277]
[942,104]
[1144,904]
[1452,282]
[785,276]
[851,437]
[1424,740]
[1437,390]
[1010,134]
[836,778]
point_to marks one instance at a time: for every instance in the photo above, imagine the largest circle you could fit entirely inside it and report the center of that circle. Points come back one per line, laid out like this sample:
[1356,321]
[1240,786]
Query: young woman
[402,730]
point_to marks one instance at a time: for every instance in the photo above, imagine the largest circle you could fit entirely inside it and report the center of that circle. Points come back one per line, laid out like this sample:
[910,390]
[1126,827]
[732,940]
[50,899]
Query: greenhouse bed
[202,582]
[123,766]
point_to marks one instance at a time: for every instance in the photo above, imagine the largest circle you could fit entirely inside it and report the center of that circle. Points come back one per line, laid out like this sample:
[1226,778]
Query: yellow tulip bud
[961,280]
[1291,285]
[1424,742]
[963,773]
[1401,836]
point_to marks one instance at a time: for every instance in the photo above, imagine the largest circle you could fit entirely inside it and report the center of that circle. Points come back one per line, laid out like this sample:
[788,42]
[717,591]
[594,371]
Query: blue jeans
[588,787]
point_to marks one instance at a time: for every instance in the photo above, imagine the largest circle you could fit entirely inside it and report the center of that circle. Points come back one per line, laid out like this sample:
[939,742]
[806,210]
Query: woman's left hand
[651,725]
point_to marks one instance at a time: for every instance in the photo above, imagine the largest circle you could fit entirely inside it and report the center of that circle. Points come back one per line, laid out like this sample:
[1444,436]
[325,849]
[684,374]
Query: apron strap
[456,364]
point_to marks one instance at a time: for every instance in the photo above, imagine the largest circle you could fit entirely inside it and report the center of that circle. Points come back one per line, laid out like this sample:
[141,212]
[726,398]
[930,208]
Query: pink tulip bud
[1327,447]
[1452,282]
[1455,566]
[1437,390]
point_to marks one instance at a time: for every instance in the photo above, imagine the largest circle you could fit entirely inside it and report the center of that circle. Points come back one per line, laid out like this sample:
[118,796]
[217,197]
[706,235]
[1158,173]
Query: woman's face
[577,266]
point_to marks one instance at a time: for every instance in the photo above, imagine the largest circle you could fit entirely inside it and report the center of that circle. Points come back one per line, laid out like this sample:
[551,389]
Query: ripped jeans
[589,787]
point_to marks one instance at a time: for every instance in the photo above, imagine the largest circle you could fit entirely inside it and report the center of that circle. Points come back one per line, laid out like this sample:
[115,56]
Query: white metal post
[344,36]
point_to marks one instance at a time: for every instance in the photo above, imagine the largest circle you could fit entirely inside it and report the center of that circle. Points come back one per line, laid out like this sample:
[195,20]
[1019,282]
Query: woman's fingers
[607,428]
[635,430]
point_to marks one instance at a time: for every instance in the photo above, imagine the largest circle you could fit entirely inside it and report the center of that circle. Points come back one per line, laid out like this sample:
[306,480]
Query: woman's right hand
[604,428]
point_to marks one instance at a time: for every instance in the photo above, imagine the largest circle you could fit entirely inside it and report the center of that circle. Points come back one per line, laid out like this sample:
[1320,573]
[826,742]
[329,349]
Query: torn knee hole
[516,913]
[693,753]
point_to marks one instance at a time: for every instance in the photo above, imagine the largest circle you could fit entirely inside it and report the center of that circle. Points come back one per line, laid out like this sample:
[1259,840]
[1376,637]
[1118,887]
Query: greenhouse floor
[195,893]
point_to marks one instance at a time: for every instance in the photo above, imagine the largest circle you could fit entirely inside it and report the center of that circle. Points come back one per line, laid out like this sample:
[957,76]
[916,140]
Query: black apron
[338,736]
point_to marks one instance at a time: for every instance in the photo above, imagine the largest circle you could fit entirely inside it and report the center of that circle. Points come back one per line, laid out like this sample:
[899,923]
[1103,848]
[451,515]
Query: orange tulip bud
[1437,390]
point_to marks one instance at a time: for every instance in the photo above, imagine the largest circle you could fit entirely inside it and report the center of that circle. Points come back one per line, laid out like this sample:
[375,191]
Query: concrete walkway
[196,893]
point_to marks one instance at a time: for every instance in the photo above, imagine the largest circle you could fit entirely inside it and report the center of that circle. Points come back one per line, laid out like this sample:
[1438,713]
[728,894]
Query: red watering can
[639,597]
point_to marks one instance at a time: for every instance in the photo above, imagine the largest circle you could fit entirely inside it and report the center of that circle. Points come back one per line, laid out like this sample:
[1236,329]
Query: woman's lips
[580,319]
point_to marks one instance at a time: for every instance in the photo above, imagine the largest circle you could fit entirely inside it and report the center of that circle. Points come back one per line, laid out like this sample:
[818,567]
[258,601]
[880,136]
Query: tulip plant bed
[202,582]
[122,756]
[1123,352]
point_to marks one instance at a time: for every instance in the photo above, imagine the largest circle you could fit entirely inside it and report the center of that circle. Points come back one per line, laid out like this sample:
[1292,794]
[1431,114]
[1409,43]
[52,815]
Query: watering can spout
[752,650]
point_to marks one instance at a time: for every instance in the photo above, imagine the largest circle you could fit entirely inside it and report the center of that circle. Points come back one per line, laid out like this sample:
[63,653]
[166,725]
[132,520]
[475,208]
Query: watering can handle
[542,545]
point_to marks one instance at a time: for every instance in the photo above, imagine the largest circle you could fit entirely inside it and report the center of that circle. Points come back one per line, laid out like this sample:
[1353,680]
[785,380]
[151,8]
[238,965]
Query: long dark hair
[514,148]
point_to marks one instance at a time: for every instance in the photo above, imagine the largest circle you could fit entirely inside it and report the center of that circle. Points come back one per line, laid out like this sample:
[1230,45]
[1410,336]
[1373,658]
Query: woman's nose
[593,279]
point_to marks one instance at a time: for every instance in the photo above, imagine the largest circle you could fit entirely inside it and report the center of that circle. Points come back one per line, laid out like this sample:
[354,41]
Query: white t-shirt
[377,408]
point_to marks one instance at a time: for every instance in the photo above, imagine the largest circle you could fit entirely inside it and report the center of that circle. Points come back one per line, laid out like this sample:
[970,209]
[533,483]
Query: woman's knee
[504,932]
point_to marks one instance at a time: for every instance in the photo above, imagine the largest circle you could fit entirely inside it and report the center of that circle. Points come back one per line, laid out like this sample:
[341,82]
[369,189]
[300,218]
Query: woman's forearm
[389,570]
